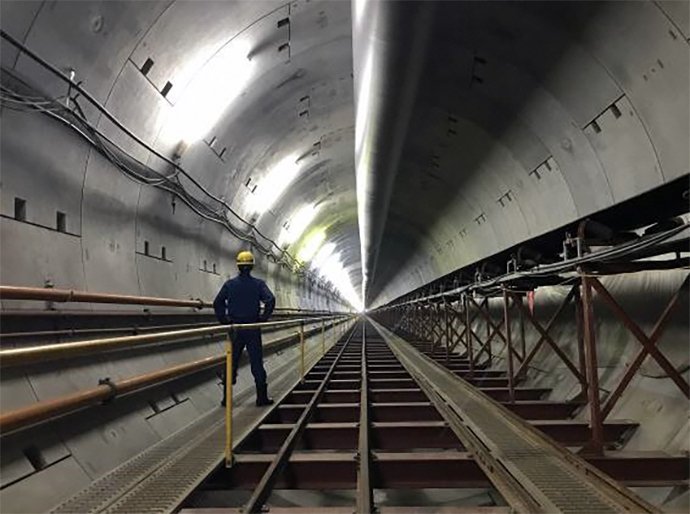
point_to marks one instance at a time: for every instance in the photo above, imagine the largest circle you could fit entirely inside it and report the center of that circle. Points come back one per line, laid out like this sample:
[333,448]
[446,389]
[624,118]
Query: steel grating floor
[159,478]
[374,426]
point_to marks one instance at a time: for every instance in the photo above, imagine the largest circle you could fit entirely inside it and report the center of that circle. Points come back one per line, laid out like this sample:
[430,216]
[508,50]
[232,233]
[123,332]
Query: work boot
[262,398]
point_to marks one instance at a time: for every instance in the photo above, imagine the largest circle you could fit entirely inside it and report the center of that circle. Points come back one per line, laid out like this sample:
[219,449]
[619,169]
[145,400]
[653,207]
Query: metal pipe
[49,409]
[43,353]
[71,295]
[71,332]
[42,411]
[388,63]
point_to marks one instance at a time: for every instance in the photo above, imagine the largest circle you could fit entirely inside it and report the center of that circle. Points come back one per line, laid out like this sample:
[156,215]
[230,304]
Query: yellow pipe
[301,345]
[323,337]
[228,403]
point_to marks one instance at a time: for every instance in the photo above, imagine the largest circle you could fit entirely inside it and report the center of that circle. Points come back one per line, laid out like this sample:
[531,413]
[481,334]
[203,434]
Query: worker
[239,301]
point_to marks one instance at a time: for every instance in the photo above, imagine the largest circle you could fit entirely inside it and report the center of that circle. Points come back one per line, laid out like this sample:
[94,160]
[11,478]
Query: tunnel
[473,216]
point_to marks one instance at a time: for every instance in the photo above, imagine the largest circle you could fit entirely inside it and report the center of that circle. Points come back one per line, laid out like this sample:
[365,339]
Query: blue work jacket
[240,299]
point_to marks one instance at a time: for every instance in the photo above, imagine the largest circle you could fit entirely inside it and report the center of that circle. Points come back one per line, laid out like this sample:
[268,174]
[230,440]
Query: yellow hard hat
[245,258]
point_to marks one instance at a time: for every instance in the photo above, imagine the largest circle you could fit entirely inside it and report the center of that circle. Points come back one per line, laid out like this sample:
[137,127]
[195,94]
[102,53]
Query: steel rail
[265,485]
[503,465]
[364,494]
[50,352]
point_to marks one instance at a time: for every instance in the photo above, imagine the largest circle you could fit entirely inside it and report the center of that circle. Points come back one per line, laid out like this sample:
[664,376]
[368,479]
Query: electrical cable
[77,87]
[75,119]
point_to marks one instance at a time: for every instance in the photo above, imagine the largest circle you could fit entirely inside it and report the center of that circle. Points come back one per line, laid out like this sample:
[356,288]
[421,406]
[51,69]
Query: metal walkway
[376,426]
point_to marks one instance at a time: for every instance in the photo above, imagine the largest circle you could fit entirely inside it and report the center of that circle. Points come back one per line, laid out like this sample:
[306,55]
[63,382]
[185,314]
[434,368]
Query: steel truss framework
[468,321]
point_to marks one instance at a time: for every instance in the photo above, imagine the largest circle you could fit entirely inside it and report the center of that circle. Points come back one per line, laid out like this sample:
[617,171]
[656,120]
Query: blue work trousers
[251,339]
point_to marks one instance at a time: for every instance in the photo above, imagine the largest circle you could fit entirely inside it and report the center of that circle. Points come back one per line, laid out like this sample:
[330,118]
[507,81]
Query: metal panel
[42,490]
[635,43]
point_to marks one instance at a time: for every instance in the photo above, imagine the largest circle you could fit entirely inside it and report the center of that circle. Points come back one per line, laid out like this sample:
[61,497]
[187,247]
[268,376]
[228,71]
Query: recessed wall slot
[146,247]
[616,111]
[20,209]
[282,22]
[35,458]
[166,89]
[147,66]
[163,253]
[61,221]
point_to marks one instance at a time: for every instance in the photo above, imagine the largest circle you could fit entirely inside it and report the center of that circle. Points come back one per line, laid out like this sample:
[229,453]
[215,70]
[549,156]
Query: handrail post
[228,403]
[323,337]
[301,345]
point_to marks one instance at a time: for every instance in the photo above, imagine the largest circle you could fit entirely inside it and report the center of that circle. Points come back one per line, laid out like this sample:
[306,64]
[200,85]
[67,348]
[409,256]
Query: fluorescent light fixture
[328,264]
[311,245]
[298,223]
[209,93]
[273,185]
[323,255]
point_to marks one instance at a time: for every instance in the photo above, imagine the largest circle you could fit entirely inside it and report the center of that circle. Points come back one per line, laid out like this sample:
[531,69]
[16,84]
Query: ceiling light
[273,185]
[209,93]
[311,245]
[298,223]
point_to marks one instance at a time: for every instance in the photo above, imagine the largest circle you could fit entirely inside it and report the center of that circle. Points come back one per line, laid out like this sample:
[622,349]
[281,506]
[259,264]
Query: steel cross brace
[545,337]
[649,344]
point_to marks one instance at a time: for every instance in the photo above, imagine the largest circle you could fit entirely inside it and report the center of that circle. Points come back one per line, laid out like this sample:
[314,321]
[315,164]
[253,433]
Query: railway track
[377,426]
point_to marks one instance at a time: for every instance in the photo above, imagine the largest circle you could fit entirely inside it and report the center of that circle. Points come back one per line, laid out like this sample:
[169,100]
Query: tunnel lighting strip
[570,265]
[284,257]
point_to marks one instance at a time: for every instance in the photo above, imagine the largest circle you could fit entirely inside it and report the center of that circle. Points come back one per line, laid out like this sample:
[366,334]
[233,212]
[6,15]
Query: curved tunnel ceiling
[470,126]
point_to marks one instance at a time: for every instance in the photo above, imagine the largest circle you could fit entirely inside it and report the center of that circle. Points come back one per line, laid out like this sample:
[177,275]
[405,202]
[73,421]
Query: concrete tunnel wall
[527,118]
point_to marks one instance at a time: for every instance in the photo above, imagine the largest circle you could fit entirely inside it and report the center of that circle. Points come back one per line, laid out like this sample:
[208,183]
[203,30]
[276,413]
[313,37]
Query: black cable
[77,87]
[115,153]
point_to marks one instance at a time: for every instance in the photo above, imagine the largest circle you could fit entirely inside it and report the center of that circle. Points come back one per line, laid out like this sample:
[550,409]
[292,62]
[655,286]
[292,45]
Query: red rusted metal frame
[485,305]
[483,309]
[579,318]
[468,335]
[596,443]
[547,338]
[649,344]
[436,327]
[489,320]
[544,331]
[519,297]
[446,320]
[459,315]
[509,342]
[430,469]
[486,345]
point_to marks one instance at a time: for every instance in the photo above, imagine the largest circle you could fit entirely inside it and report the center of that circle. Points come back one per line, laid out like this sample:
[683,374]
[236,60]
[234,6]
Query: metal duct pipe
[42,353]
[70,295]
[389,43]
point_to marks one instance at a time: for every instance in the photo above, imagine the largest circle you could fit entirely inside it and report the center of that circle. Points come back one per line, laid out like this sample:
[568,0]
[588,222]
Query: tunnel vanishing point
[474,216]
